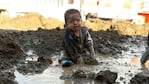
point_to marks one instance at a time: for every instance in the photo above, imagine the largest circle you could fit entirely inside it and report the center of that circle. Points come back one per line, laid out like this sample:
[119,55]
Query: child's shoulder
[84,28]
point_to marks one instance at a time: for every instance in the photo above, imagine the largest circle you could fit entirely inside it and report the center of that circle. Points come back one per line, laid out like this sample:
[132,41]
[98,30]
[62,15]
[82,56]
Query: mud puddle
[49,76]
[126,67]
[123,53]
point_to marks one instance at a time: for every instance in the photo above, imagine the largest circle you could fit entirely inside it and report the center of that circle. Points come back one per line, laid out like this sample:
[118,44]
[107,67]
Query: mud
[103,77]
[45,43]
[37,49]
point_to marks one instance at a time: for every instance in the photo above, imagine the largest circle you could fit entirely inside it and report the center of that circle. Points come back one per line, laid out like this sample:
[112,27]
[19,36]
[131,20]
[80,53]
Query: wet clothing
[75,46]
[148,40]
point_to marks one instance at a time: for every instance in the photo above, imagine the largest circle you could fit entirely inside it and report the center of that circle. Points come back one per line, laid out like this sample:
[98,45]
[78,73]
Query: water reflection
[126,67]
[68,71]
[49,76]
[79,81]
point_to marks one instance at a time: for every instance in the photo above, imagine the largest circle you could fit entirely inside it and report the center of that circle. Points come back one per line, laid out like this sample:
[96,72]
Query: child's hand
[80,60]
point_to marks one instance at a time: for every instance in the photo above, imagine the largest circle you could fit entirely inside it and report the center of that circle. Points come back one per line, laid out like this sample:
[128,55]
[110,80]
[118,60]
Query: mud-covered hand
[92,52]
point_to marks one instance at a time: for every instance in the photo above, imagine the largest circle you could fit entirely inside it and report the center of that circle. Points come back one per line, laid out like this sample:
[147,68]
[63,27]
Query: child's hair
[69,12]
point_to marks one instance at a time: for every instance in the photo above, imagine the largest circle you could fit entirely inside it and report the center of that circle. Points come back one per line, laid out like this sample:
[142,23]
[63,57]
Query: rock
[140,79]
[107,77]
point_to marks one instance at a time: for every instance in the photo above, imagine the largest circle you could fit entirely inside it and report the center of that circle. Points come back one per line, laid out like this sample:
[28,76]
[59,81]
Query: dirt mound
[31,21]
[109,42]
[10,52]
[122,26]
[44,42]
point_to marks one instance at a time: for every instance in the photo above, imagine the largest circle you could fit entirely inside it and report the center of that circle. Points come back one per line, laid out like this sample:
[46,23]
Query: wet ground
[30,57]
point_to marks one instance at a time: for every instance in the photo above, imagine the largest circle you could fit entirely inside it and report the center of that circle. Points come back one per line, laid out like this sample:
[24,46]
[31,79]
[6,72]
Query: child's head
[73,19]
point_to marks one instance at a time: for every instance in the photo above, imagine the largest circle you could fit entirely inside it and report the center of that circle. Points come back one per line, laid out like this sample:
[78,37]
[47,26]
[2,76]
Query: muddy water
[126,66]
[49,76]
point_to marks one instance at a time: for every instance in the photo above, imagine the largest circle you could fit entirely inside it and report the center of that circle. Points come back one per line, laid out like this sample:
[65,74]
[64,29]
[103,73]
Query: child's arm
[148,40]
[89,44]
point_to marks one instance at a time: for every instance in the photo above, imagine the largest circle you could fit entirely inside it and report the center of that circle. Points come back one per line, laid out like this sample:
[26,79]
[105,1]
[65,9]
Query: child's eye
[78,20]
[72,21]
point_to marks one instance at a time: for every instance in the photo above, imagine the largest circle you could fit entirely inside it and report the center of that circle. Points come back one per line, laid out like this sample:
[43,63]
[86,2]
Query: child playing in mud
[77,43]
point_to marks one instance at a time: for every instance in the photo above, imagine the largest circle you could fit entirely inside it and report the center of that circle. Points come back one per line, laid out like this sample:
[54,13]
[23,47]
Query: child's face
[74,22]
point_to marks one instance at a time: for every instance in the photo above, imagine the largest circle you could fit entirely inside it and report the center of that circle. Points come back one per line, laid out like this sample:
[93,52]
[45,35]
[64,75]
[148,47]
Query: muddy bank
[10,55]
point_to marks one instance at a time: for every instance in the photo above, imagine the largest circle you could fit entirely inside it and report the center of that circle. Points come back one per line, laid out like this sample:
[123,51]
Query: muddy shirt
[76,46]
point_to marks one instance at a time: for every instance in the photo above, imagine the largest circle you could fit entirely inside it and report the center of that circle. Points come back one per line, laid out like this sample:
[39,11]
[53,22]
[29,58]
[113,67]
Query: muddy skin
[15,44]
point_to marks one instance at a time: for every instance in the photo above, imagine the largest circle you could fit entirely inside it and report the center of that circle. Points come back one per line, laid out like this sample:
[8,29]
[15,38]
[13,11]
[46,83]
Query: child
[145,56]
[77,42]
